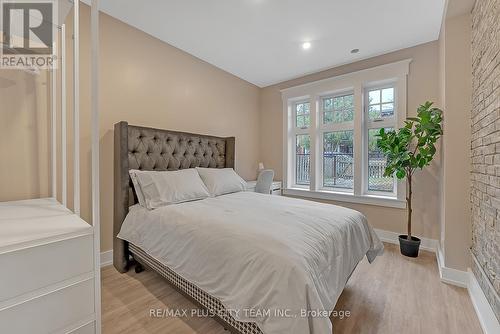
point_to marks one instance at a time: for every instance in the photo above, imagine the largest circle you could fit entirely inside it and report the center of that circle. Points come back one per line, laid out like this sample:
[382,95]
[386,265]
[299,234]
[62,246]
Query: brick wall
[485,146]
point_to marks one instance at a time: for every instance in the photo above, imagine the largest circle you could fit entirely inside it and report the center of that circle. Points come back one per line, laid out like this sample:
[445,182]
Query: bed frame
[144,148]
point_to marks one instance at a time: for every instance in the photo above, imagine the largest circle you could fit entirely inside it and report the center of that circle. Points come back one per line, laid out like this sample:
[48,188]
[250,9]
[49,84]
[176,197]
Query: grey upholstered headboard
[144,148]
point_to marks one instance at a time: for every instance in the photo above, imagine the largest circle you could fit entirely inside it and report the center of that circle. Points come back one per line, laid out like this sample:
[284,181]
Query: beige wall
[147,82]
[25,126]
[422,86]
[143,81]
[456,92]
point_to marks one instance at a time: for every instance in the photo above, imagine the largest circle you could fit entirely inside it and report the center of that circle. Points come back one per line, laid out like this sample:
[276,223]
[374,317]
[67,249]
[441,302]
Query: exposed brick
[485,147]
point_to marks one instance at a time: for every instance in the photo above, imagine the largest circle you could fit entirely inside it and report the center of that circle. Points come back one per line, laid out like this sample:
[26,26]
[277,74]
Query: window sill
[347,197]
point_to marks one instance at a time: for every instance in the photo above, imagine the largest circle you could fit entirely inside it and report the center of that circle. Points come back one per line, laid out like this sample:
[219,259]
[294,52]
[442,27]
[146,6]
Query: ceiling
[260,41]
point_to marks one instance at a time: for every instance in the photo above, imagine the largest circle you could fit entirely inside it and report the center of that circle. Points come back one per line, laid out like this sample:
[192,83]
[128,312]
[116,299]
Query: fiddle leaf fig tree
[411,147]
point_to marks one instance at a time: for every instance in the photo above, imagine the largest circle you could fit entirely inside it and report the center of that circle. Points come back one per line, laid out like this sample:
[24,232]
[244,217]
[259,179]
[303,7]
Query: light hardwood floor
[395,294]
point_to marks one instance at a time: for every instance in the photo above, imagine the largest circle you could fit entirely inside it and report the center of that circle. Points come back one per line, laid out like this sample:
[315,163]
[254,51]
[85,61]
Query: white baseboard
[393,238]
[487,319]
[106,258]
[449,275]
[464,279]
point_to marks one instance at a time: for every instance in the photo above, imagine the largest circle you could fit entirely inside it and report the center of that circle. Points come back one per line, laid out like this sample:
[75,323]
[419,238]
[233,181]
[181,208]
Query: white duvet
[276,261]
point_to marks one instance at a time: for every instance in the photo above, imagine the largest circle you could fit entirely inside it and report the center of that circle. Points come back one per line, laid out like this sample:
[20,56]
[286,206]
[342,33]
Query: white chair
[264,181]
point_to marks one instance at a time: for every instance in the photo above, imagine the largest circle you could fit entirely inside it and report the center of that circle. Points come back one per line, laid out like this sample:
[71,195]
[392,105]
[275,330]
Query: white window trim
[358,82]
[346,197]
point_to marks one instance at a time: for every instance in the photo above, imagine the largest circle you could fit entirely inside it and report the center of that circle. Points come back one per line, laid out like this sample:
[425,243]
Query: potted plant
[408,149]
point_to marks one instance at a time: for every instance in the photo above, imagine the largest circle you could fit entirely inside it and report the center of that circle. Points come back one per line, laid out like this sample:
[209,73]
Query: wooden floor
[395,294]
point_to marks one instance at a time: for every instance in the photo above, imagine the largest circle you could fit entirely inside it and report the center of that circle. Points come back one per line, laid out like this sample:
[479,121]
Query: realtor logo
[28,33]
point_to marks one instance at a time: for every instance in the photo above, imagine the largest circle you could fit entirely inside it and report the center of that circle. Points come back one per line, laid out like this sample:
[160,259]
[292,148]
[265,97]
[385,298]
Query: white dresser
[46,269]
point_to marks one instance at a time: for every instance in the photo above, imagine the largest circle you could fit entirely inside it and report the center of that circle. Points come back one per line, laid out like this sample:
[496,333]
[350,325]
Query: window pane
[380,103]
[327,104]
[306,108]
[343,110]
[337,102]
[302,117]
[300,121]
[328,117]
[303,121]
[374,96]
[307,121]
[376,165]
[338,159]
[302,159]
[343,115]
[340,103]
[387,109]
[346,112]
[349,101]
[302,108]
[299,108]
[374,112]
[388,95]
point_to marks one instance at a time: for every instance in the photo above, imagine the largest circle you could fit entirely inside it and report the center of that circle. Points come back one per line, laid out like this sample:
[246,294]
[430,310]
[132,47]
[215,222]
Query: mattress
[212,305]
[278,262]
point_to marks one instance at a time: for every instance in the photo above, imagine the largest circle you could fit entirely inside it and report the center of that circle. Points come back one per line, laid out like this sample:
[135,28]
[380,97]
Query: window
[332,128]
[338,109]
[303,159]
[337,133]
[302,143]
[302,116]
[379,102]
[338,162]
[376,165]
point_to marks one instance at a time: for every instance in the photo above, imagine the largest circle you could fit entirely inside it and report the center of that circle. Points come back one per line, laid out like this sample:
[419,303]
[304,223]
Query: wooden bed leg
[138,268]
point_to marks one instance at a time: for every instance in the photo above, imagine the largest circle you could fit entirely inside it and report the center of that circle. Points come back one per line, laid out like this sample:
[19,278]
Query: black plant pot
[409,247]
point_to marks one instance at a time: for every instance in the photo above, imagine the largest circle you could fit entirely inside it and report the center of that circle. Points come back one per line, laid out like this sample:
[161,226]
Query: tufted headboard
[144,148]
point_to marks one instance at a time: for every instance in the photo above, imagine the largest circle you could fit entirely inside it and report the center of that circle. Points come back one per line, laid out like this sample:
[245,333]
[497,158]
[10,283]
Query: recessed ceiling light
[354,50]
[306,45]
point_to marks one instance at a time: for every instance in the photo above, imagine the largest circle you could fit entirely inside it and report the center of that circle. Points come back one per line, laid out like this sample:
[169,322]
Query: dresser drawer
[52,312]
[87,329]
[29,269]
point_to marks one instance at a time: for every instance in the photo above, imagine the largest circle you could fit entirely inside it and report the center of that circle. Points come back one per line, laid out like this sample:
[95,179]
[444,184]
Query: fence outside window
[338,169]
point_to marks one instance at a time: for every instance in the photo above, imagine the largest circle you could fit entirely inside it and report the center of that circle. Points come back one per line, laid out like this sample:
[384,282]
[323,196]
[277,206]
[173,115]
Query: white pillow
[170,187]
[137,187]
[220,181]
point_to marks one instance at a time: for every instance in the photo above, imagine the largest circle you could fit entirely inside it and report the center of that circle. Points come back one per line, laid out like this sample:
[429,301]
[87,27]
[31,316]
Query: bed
[257,263]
